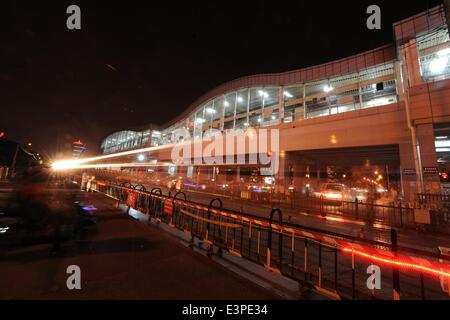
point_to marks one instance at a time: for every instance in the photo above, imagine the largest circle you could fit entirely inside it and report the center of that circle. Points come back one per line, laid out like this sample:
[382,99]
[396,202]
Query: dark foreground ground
[121,259]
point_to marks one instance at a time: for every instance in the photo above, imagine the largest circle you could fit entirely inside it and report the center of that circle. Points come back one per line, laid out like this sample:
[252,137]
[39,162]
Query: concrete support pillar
[304,101]
[360,91]
[222,112]
[398,83]
[280,104]
[282,172]
[425,136]
[410,58]
[408,179]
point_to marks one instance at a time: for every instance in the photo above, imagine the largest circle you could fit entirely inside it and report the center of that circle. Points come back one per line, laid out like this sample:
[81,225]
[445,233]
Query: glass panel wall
[191,124]
[199,121]
[434,55]
[229,108]
[216,115]
[242,103]
[317,103]
[259,106]
[293,103]
[124,140]
[270,106]
[344,94]
[156,137]
[378,86]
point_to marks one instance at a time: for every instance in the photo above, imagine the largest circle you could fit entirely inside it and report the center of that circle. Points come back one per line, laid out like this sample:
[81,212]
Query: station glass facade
[270,105]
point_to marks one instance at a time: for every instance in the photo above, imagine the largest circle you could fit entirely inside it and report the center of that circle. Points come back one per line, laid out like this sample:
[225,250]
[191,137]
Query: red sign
[78,142]
[131,199]
[430,170]
[409,171]
[168,206]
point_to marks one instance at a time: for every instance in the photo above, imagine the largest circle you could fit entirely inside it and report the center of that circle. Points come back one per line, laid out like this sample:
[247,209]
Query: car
[336,192]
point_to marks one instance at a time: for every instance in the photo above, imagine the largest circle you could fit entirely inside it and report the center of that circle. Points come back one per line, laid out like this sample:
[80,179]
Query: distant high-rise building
[78,148]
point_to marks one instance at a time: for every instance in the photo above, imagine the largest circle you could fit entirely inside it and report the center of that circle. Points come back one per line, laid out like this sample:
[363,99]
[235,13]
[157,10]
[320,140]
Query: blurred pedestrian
[361,233]
[84,181]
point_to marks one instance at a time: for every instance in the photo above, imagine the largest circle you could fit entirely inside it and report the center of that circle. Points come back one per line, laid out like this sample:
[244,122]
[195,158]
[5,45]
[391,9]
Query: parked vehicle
[336,192]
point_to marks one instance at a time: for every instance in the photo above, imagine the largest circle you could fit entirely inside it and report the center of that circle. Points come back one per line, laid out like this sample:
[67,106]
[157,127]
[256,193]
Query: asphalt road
[122,259]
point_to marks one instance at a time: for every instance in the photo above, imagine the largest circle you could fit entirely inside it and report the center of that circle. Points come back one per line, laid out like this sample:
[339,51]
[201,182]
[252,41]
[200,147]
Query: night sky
[139,62]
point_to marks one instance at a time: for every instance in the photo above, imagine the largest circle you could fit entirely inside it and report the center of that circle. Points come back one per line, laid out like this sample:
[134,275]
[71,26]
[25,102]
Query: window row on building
[271,105]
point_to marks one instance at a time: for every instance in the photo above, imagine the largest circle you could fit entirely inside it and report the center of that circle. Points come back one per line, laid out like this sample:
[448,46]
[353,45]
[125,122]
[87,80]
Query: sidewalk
[125,259]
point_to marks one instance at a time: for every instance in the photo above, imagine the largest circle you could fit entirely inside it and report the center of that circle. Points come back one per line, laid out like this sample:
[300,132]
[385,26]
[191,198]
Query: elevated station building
[380,117]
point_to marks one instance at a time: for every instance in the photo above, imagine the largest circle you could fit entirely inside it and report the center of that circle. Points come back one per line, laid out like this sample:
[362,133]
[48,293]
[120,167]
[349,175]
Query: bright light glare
[210,110]
[332,195]
[443,52]
[4,229]
[288,95]
[110,165]
[141,157]
[401,264]
[64,164]
[442,143]
[438,65]
[263,93]
[73,164]
[328,88]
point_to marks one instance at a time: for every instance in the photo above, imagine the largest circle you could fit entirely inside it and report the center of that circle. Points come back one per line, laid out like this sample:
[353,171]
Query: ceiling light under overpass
[442,143]
[210,110]
[444,52]
[287,94]
[263,93]
[438,65]
[328,88]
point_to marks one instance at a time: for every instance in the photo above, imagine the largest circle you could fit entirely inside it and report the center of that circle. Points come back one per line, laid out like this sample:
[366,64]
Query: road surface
[124,259]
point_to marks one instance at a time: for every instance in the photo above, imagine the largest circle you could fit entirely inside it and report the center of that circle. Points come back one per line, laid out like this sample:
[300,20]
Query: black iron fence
[396,214]
[335,264]
[430,198]
[390,214]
